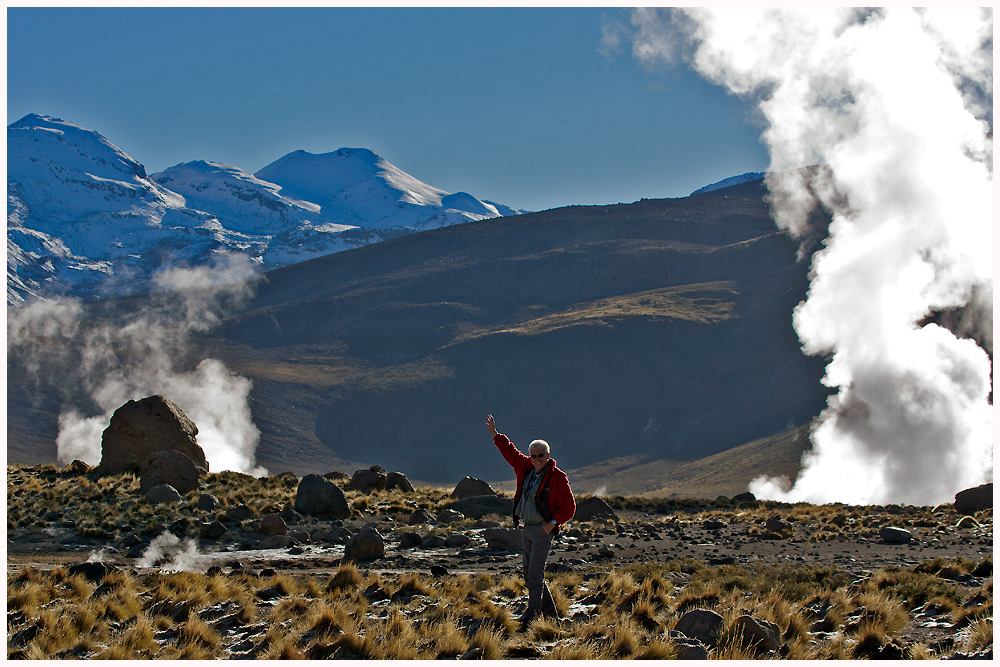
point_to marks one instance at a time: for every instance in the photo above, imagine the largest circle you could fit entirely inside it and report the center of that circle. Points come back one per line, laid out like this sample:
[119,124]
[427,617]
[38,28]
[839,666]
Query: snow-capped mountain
[85,220]
[731,181]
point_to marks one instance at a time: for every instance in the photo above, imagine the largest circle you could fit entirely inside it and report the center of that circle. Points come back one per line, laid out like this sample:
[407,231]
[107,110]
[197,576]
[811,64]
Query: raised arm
[491,425]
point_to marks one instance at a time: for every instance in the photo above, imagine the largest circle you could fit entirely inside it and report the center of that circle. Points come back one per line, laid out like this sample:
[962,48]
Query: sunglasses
[538,456]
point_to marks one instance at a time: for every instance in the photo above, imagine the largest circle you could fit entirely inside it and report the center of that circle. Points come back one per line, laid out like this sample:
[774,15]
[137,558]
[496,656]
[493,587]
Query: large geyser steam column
[896,104]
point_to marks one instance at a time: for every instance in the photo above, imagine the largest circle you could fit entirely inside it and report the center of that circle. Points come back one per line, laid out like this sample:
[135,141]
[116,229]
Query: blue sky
[514,105]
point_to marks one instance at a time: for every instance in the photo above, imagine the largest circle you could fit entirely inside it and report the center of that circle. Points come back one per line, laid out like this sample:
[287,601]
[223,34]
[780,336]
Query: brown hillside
[659,330]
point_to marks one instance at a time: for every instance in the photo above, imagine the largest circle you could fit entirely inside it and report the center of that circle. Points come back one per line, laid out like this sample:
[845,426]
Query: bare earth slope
[659,331]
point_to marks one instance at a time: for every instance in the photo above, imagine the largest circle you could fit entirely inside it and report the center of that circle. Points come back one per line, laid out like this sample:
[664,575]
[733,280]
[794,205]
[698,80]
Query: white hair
[539,444]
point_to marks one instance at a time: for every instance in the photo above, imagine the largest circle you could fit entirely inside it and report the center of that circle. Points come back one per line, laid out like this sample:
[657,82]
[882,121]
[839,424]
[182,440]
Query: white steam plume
[172,555]
[142,355]
[896,105]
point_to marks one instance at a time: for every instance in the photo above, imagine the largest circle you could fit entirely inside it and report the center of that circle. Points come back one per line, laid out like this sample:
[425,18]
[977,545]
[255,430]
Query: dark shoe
[526,619]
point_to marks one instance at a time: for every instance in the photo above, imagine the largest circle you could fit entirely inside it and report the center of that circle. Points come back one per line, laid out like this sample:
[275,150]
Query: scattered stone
[757,634]
[368,544]
[170,467]
[606,552]
[745,497]
[449,516]
[592,508]
[397,480]
[238,513]
[687,647]
[300,536]
[319,496]
[439,571]
[418,517]
[432,542]
[336,475]
[140,428]
[967,522]
[276,542]
[701,624]
[213,531]
[713,524]
[372,479]
[894,535]
[457,540]
[162,493]
[207,502]
[474,653]
[408,540]
[214,571]
[470,486]
[503,539]
[975,499]
[78,467]
[483,523]
[777,526]
[272,524]
[290,515]
[476,507]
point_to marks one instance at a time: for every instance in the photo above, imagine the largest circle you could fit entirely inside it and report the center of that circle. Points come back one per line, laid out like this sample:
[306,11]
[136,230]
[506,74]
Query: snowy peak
[731,181]
[79,149]
[83,218]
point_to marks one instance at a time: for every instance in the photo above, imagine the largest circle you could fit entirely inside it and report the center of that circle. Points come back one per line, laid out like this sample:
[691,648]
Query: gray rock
[470,486]
[368,544]
[757,634]
[78,467]
[503,539]
[449,516]
[213,531]
[272,524]
[701,624]
[372,479]
[457,540]
[688,648]
[776,525]
[319,496]
[432,542]
[276,542]
[894,535]
[207,502]
[476,507]
[140,428]
[397,480]
[336,476]
[300,536]
[170,467]
[162,493]
[745,497]
[592,508]
[238,513]
[974,500]
[418,517]
[408,540]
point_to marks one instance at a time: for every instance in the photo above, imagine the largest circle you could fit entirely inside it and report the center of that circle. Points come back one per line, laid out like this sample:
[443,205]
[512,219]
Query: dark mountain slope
[660,328]
[657,332]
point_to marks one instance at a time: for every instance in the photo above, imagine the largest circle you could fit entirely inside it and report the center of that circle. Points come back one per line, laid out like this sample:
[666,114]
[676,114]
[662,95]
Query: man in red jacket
[543,502]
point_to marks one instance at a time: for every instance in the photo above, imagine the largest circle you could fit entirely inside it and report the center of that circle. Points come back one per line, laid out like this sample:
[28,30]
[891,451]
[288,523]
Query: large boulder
[756,634]
[503,539]
[974,500]
[170,467]
[592,508]
[372,479]
[319,496]
[476,507]
[701,624]
[895,535]
[397,480]
[368,544]
[470,486]
[140,428]
[162,493]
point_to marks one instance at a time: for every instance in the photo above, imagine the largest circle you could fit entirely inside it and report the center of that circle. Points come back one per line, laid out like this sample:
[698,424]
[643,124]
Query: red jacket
[561,504]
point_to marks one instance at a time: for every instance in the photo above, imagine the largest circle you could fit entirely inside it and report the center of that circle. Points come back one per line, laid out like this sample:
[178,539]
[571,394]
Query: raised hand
[491,425]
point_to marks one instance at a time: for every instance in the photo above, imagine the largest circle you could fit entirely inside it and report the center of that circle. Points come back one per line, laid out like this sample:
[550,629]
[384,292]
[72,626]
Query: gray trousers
[535,543]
